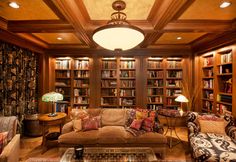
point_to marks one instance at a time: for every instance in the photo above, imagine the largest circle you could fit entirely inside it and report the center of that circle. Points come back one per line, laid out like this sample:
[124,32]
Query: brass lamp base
[52,114]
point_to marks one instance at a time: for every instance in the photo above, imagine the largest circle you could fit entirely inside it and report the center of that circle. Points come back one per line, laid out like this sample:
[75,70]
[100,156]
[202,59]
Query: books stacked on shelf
[109,92]
[109,101]
[109,64]
[62,64]
[81,92]
[62,106]
[173,83]
[157,99]
[154,64]
[155,91]
[62,83]
[155,83]
[208,72]
[224,98]
[222,109]
[127,64]
[226,58]
[208,83]
[62,74]
[127,84]
[127,93]
[171,102]
[81,83]
[208,95]
[208,61]
[127,101]
[108,83]
[207,106]
[174,74]
[127,74]
[108,73]
[81,100]
[154,107]
[173,92]
[174,64]
[81,74]
[155,74]
[82,64]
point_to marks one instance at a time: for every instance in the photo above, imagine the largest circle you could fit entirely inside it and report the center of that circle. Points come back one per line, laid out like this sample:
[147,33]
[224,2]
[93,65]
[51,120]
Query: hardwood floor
[31,147]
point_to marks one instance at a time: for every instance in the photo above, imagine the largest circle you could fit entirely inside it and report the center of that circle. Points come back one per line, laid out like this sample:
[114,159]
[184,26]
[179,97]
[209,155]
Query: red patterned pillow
[141,113]
[136,124]
[148,124]
[91,123]
[3,140]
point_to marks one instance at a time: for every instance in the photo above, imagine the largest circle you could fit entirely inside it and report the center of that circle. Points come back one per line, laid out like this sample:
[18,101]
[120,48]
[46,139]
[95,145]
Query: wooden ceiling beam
[75,17]
[3,23]
[54,8]
[209,26]
[40,26]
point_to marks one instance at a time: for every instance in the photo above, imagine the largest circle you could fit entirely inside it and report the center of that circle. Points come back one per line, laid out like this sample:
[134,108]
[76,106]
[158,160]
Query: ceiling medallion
[118,33]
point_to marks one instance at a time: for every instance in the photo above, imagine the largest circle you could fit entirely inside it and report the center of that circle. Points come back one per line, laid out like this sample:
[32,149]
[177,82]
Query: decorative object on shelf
[52,97]
[181,98]
[118,34]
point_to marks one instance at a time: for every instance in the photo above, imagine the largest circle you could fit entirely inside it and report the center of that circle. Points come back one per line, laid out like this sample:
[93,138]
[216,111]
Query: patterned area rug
[43,160]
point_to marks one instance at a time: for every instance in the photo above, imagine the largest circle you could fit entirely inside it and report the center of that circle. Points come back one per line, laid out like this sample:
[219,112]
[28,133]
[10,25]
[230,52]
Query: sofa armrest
[231,132]
[193,128]
[68,127]
[11,151]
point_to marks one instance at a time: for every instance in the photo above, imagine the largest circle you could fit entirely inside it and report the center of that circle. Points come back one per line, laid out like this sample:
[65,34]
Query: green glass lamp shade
[52,97]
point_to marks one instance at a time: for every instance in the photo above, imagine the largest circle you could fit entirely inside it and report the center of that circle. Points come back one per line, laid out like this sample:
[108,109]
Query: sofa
[112,133]
[212,138]
[10,152]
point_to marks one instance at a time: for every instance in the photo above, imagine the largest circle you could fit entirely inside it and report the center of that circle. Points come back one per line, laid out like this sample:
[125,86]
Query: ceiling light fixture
[178,38]
[225,4]
[118,34]
[59,38]
[14,5]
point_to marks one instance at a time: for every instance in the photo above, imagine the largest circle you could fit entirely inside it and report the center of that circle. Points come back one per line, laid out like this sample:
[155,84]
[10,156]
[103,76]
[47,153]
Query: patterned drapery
[18,80]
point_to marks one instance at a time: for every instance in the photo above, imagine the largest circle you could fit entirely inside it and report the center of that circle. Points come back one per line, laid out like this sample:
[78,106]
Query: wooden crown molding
[40,26]
[3,23]
[54,8]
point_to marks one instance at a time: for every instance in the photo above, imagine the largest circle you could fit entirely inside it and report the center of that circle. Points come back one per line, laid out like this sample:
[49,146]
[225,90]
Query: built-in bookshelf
[63,77]
[155,83]
[127,90]
[81,88]
[207,82]
[173,81]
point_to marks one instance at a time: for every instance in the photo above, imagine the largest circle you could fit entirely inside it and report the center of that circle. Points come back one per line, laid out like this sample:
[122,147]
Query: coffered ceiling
[44,21]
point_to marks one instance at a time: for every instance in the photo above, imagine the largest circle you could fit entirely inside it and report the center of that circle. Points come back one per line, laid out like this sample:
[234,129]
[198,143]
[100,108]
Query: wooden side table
[47,121]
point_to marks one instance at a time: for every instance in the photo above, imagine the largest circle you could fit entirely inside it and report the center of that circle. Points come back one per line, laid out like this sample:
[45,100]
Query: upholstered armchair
[215,145]
[10,152]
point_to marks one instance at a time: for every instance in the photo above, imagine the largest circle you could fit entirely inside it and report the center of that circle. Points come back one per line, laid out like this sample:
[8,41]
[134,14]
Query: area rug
[35,159]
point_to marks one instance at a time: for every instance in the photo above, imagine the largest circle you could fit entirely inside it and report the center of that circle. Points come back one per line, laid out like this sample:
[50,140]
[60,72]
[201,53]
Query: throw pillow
[141,113]
[78,114]
[77,126]
[136,124]
[3,140]
[212,126]
[91,123]
[148,124]
[130,113]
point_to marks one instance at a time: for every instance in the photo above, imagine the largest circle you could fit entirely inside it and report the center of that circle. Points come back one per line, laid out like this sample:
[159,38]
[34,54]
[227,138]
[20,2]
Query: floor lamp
[52,97]
[181,98]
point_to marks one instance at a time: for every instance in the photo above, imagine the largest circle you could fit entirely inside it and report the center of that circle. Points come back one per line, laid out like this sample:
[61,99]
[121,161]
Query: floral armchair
[211,146]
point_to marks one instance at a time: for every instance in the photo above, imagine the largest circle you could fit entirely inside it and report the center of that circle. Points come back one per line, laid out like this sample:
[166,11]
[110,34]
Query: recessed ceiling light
[178,38]
[14,5]
[225,4]
[59,38]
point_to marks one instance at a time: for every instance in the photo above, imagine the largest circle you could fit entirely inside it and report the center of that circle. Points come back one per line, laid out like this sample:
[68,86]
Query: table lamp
[181,98]
[52,97]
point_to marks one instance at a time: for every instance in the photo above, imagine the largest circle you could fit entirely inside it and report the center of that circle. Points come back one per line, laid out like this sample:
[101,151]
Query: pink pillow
[3,140]
[148,124]
[91,123]
[136,124]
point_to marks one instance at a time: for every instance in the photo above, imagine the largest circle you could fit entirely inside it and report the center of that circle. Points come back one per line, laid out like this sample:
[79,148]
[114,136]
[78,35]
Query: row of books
[81,100]
[62,64]
[207,105]
[108,83]
[127,74]
[154,91]
[60,83]
[155,74]
[108,101]
[154,107]
[171,101]
[81,64]
[127,92]
[81,92]
[226,58]
[109,64]
[127,83]
[62,74]
[224,98]
[154,64]
[158,99]
[156,83]
[81,83]
[208,61]
[108,73]
[222,109]
[173,83]
[208,95]
[173,92]
[127,64]
[81,74]
[109,92]
[208,83]
[174,64]
[126,101]
[174,74]
[208,72]
[64,91]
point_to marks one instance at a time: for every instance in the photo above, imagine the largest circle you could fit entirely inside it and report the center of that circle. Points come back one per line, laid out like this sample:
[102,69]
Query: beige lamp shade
[181,98]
